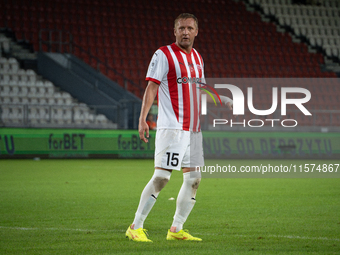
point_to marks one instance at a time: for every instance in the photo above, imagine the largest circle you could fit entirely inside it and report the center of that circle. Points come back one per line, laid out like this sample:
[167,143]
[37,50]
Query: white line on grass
[296,237]
[306,237]
[282,236]
[122,231]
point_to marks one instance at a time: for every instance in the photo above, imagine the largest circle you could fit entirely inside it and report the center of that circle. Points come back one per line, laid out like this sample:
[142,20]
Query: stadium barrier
[86,143]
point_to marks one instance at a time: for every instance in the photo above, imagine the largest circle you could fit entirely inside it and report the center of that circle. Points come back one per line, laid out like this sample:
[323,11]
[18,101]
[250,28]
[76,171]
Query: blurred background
[81,64]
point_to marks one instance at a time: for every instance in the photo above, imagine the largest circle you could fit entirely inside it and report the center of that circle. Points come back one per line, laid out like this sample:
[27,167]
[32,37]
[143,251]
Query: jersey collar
[178,48]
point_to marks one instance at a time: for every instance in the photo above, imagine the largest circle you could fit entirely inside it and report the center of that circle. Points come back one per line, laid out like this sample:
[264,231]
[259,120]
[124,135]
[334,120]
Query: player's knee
[195,179]
[196,183]
[160,179]
[160,182]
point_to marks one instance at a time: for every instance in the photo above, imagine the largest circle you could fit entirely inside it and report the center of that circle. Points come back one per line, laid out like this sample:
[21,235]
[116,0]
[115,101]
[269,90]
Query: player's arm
[148,99]
[225,100]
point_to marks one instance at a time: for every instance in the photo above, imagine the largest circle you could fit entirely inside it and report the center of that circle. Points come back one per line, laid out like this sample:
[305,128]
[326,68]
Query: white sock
[149,195]
[186,198]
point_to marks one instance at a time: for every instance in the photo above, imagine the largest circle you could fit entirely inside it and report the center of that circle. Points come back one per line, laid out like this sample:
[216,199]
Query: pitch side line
[282,236]
[295,237]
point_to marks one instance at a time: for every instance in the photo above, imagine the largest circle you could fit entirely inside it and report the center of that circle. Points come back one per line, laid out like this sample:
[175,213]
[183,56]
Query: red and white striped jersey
[177,72]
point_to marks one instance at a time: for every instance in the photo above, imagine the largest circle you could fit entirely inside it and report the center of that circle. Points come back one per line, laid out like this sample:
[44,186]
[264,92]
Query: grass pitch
[85,207]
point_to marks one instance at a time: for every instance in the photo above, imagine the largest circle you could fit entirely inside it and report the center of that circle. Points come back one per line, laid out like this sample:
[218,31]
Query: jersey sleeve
[158,67]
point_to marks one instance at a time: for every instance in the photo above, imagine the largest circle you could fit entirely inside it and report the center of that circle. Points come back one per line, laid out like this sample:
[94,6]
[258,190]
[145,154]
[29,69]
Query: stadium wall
[85,143]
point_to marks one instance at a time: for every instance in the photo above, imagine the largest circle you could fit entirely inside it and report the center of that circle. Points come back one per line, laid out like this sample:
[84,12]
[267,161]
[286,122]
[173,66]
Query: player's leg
[164,142]
[185,202]
[149,195]
[187,195]
[148,198]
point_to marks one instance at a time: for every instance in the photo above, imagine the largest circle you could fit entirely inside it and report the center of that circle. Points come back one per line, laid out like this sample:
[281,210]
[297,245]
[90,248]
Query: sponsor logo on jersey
[186,80]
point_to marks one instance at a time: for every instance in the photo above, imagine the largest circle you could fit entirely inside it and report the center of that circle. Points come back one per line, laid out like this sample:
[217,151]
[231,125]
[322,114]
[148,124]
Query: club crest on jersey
[186,80]
[199,67]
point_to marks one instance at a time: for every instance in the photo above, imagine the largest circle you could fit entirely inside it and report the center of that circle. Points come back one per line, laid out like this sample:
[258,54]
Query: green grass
[85,207]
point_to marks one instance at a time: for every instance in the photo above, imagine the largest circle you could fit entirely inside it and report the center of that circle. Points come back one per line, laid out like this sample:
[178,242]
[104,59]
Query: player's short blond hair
[186,16]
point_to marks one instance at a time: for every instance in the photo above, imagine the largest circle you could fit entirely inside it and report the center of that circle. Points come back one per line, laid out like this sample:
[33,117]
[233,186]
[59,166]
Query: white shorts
[178,148]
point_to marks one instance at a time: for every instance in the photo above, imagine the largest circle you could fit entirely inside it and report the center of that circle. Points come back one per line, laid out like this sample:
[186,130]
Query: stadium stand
[119,37]
[25,97]
[114,31]
[317,25]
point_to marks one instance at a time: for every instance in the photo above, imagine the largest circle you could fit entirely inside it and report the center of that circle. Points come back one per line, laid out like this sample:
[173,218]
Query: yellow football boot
[181,235]
[137,235]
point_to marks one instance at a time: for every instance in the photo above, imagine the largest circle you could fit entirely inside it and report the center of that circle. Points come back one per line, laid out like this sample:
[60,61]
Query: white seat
[328,52]
[40,91]
[5,90]
[2,60]
[57,115]
[30,83]
[24,100]
[319,41]
[49,92]
[67,98]
[33,114]
[31,75]
[48,84]
[91,118]
[335,52]
[80,115]
[5,78]
[101,119]
[67,116]
[5,43]
[282,21]
[58,98]
[13,65]
[14,90]
[44,115]
[5,68]
[14,77]
[22,84]
[22,75]
[39,84]
[312,41]
[15,115]
[4,113]
[33,100]
[310,32]
[13,83]
[6,99]
[4,65]
[32,92]
[51,100]
[43,101]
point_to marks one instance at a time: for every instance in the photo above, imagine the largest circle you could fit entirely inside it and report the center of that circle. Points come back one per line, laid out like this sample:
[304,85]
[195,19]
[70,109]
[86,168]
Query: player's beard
[186,44]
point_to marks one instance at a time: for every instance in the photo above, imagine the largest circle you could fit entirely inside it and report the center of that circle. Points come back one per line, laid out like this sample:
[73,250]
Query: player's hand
[228,102]
[229,106]
[143,128]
